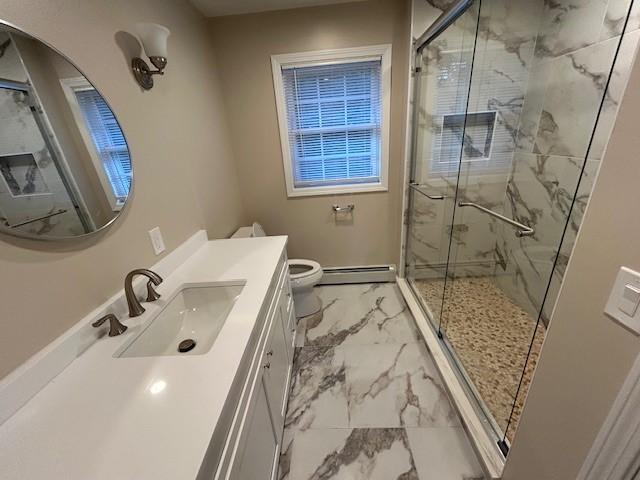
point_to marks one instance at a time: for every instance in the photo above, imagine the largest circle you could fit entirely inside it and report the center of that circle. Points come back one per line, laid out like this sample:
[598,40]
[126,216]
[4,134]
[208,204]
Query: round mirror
[65,168]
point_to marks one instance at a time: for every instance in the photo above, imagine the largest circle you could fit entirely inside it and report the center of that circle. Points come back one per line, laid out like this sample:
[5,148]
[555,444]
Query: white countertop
[99,419]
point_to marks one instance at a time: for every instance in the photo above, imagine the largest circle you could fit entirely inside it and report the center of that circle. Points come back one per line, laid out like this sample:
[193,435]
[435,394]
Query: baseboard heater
[369,274]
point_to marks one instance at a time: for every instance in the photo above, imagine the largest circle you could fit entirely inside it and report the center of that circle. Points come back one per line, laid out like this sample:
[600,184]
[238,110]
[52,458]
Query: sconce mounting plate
[142,73]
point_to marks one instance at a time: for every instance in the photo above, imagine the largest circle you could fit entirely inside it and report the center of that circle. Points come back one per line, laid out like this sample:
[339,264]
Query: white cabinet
[252,440]
[259,459]
[279,355]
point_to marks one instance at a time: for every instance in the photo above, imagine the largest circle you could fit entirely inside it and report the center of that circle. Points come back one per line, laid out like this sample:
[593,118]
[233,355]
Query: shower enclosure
[513,103]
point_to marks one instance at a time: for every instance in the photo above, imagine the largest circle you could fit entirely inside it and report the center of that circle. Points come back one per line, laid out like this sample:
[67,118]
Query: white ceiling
[215,8]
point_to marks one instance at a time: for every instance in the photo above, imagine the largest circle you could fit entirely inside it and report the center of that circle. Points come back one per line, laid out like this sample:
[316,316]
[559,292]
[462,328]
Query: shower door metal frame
[442,23]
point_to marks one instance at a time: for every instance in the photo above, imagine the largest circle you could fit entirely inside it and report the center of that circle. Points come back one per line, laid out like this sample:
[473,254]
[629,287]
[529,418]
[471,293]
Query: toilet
[304,275]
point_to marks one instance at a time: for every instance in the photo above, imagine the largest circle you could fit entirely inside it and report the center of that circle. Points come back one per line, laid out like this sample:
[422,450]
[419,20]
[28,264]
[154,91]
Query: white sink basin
[192,319]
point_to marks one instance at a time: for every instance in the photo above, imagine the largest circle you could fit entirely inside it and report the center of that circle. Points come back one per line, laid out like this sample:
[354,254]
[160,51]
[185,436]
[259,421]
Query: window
[333,110]
[104,138]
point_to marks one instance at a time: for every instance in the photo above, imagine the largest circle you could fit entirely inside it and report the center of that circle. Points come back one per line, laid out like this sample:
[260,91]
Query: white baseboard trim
[358,274]
[485,447]
[24,382]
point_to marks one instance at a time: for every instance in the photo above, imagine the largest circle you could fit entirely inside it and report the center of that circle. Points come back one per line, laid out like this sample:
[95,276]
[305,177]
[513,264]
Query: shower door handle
[416,187]
[523,230]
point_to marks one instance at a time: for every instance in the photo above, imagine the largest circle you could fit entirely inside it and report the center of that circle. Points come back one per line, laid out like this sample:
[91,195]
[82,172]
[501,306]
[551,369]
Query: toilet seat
[310,272]
[303,276]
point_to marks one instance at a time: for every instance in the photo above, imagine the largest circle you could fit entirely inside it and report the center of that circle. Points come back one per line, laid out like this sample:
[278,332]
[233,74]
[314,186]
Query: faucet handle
[152,295]
[115,327]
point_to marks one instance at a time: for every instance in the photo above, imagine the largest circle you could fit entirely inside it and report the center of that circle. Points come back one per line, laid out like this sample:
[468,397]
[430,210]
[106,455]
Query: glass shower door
[510,123]
[442,80]
[527,135]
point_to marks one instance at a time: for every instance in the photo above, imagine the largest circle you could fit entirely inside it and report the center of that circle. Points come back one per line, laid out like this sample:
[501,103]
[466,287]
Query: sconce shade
[154,39]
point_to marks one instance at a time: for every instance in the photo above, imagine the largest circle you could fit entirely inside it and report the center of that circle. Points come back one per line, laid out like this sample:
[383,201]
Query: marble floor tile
[360,378]
[286,452]
[301,330]
[318,395]
[361,315]
[354,454]
[398,385]
[443,454]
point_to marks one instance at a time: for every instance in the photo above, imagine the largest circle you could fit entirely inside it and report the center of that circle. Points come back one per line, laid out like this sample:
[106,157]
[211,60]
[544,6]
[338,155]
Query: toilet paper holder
[338,209]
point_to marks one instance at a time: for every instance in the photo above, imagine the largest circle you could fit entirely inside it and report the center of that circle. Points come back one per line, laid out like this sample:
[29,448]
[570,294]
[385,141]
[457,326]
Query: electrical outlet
[156,240]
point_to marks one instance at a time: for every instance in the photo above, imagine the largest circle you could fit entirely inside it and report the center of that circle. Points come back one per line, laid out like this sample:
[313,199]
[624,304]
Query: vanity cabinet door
[277,374]
[259,458]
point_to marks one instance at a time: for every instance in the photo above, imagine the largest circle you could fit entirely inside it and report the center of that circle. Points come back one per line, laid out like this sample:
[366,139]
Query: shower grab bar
[44,217]
[523,231]
[441,23]
[348,209]
[416,187]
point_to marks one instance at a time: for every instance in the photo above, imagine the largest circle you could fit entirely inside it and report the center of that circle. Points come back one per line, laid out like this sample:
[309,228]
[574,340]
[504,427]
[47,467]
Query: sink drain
[186,345]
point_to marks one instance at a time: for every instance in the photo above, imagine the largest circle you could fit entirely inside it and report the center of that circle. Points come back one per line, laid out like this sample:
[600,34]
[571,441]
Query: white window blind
[334,122]
[108,140]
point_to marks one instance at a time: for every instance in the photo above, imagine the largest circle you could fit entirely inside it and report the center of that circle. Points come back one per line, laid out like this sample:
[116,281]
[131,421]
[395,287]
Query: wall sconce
[154,42]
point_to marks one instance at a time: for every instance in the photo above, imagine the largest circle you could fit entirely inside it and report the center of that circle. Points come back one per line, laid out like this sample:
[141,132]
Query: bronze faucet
[135,309]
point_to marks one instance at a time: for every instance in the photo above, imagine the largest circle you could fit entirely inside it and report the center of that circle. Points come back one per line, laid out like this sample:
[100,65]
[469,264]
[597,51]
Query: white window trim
[69,86]
[319,57]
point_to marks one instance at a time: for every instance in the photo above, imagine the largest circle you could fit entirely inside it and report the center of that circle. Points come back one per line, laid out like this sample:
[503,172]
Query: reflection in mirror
[65,168]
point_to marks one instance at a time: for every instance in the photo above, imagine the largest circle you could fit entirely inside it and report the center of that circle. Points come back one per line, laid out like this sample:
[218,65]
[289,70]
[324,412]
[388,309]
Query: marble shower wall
[574,52]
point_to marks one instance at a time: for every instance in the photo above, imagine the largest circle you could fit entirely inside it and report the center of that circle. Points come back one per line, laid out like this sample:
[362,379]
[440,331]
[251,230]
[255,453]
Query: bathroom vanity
[251,427]
[213,413]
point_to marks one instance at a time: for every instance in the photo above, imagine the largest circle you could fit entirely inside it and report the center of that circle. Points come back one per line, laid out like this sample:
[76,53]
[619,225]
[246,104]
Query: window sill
[336,190]
[117,206]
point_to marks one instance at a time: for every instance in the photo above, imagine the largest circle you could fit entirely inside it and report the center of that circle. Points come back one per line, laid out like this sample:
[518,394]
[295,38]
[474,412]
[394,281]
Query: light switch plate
[156,240]
[624,299]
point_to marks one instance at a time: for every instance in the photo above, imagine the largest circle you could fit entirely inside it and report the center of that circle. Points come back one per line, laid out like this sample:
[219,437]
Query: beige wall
[244,44]
[185,177]
[586,355]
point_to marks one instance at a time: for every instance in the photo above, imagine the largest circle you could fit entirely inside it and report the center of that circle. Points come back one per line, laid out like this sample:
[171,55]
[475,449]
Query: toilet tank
[254,230]
[258,231]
